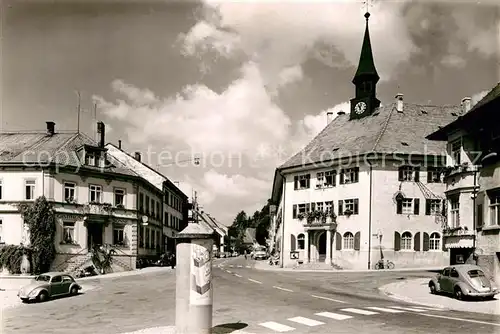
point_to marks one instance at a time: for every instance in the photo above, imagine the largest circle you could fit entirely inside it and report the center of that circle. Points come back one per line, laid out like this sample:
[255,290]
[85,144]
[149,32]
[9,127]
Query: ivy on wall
[40,219]
[11,257]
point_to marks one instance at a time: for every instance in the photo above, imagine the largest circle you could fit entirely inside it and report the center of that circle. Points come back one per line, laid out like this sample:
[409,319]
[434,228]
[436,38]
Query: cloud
[280,35]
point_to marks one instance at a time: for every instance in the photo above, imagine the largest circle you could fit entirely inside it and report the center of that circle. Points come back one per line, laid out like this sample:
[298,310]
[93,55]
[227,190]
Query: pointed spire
[366,66]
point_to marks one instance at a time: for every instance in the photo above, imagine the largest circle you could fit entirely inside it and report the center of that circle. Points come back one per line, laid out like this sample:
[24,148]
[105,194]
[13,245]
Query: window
[408,206]
[67,279]
[152,207]
[454,212]
[141,202]
[56,279]
[433,175]
[167,219]
[456,151]
[29,189]
[435,241]
[69,192]
[454,273]
[147,204]
[299,209]
[409,173]
[90,159]
[158,239]
[119,236]
[158,213]
[320,180]
[328,206]
[1,232]
[95,195]
[120,197]
[446,272]
[153,239]
[350,175]
[301,241]
[146,243]
[1,188]
[68,233]
[495,209]
[406,241]
[348,207]
[348,242]
[432,207]
[141,236]
[330,178]
[302,181]
[319,206]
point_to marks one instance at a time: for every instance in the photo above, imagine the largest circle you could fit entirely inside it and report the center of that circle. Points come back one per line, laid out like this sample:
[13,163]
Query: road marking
[429,308]
[240,266]
[383,309]
[358,311]
[230,266]
[248,267]
[461,319]
[229,272]
[237,275]
[277,327]
[330,299]
[306,321]
[252,280]
[279,288]
[409,309]
[334,316]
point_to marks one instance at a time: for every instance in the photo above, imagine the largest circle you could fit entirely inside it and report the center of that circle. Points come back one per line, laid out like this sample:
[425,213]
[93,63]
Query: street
[255,301]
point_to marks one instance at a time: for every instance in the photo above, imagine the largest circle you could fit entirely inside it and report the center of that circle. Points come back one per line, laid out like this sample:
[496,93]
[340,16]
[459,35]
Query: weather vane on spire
[368,4]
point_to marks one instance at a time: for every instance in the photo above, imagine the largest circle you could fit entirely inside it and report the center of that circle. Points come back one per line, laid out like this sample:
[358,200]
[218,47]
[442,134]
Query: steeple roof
[366,66]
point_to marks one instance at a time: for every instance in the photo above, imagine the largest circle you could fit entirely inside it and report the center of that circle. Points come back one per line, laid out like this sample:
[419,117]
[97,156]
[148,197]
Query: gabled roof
[442,134]
[60,148]
[386,131]
[142,169]
[207,219]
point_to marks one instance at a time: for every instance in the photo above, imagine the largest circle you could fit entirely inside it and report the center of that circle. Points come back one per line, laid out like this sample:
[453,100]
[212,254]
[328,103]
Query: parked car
[463,280]
[48,285]
[260,255]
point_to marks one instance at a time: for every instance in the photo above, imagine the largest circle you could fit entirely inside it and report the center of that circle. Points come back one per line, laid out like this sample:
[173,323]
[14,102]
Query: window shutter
[417,174]
[295,182]
[295,211]
[308,180]
[334,177]
[341,181]
[397,241]
[443,247]
[399,206]
[338,241]
[357,241]
[426,242]
[427,207]
[292,242]
[400,174]
[429,176]
[313,206]
[341,207]
[416,206]
[308,207]
[416,242]
[356,206]
[356,174]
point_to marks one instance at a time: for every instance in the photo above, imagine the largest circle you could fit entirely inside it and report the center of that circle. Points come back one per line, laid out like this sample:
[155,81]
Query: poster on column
[201,273]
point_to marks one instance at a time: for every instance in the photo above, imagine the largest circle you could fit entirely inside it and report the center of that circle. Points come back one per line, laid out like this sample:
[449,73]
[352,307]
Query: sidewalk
[416,291]
[264,265]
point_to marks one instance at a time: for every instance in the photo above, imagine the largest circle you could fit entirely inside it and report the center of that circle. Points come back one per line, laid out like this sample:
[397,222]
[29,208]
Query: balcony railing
[457,231]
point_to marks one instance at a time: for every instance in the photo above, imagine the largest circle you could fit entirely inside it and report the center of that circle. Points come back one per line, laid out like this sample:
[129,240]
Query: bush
[41,222]
[11,257]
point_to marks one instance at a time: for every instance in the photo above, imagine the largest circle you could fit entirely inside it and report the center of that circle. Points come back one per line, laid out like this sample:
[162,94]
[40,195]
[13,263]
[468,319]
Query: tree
[260,221]
[40,219]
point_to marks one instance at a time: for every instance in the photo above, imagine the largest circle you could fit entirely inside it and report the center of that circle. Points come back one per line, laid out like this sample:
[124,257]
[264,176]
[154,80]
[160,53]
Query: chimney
[341,113]
[120,144]
[399,102]
[138,156]
[100,134]
[466,104]
[329,117]
[51,127]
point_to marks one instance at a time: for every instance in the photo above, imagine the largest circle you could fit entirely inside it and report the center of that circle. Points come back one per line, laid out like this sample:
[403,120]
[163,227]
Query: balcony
[318,220]
[458,237]
[457,231]
[459,177]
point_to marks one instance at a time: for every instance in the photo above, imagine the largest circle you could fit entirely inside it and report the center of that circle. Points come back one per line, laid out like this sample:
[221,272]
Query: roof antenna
[78,110]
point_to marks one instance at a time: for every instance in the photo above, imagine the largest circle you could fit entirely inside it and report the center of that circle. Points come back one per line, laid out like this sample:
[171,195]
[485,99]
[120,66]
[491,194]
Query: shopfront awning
[459,242]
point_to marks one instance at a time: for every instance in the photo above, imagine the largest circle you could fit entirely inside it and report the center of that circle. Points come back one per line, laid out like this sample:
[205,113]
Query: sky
[238,85]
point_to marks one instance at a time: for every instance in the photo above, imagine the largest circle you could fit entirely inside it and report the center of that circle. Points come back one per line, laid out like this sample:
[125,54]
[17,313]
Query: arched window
[301,241]
[435,241]
[406,241]
[348,241]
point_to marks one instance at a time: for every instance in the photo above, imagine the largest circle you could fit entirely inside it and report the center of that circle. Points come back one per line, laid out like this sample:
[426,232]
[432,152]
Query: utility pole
[95,120]
[78,111]
[195,206]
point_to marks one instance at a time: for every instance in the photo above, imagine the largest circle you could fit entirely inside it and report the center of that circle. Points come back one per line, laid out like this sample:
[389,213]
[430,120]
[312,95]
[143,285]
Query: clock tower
[365,80]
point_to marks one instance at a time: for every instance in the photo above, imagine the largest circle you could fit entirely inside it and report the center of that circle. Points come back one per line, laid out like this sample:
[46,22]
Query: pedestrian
[245,253]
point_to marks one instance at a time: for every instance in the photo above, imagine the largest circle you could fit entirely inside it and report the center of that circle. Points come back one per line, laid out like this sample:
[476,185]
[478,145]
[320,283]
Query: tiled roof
[492,95]
[41,148]
[386,131]
[249,237]
[210,221]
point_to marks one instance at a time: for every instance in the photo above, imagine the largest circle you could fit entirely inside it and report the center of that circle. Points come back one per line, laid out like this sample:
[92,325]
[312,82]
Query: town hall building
[368,187]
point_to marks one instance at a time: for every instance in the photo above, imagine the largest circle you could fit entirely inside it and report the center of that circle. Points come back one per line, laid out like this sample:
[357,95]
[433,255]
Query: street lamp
[145,220]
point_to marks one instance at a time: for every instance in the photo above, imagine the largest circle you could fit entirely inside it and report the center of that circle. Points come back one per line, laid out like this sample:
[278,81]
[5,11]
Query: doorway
[322,247]
[94,235]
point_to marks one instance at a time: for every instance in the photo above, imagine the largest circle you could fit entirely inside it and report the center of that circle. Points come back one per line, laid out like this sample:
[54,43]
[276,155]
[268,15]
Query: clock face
[360,107]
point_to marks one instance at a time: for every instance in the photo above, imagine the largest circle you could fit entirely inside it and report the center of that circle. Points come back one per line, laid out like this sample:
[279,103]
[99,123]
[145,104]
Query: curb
[273,268]
[135,272]
[383,290]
